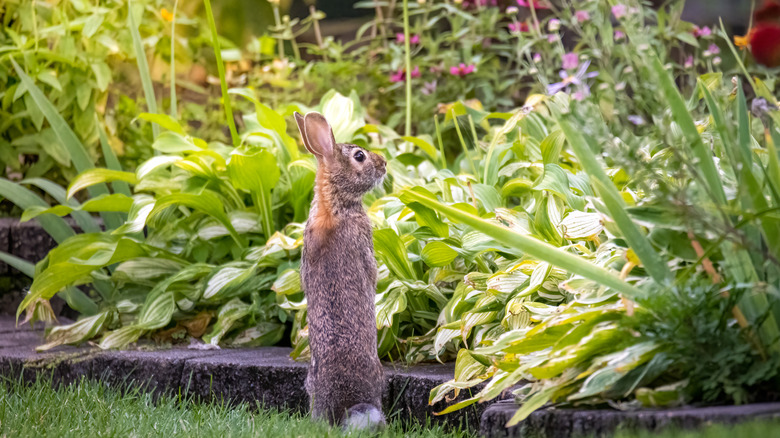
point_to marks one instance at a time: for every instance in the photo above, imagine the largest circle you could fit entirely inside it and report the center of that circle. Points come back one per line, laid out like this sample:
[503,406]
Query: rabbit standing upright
[338,273]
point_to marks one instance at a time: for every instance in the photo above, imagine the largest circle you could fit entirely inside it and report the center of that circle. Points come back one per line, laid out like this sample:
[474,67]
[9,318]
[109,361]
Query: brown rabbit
[338,272]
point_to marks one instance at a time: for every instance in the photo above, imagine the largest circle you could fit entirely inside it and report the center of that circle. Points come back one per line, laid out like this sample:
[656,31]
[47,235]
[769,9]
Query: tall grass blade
[143,66]
[684,120]
[21,265]
[112,163]
[529,245]
[641,245]
[24,198]
[222,82]
[82,218]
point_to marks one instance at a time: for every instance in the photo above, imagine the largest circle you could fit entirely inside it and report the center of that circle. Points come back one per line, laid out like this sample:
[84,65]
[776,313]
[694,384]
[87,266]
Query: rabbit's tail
[364,416]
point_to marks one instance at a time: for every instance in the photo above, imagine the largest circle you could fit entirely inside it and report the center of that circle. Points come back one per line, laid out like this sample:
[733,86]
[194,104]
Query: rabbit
[345,380]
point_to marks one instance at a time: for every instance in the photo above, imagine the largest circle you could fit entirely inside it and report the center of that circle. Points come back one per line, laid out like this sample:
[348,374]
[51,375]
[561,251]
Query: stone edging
[265,374]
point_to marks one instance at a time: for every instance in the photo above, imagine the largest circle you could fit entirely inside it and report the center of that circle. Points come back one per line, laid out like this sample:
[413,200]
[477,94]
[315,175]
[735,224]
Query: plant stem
[317,32]
[463,143]
[174,108]
[222,81]
[278,21]
[408,63]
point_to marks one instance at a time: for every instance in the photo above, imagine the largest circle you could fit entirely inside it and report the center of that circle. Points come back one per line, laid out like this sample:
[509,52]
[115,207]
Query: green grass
[93,409]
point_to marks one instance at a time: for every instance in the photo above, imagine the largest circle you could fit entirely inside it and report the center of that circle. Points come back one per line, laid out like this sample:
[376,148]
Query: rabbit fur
[345,380]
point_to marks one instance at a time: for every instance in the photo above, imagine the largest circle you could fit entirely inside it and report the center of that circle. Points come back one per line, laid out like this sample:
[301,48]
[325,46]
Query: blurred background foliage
[581,197]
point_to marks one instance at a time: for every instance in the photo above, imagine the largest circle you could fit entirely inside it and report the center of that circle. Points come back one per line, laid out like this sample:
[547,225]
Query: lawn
[93,409]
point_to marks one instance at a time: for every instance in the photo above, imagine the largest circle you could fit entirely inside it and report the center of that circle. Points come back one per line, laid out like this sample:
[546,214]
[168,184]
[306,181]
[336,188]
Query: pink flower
[570,61]
[713,49]
[519,27]
[619,35]
[619,11]
[400,75]
[701,32]
[537,57]
[553,37]
[538,4]
[582,16]
[462,69]
[414,39]
[688,62]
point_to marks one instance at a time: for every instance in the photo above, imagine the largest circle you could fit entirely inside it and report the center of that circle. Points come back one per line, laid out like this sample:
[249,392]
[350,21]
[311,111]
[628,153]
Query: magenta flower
[414,39]
[701,32]
[519,27]
[619,35]
[462,69]
[570,61]
[537,57]
[688,62]
[538,4]
[582,16]
[619,11]
[400,75]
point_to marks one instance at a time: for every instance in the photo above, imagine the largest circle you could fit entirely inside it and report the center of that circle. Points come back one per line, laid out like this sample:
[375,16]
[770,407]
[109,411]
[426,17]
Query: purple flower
[688,62]
[582,16]
[619,11]
[400,75]
[462,69]
[413,39]
[519,27]
[713,49]
[553,37]
[619,35]
[570,61]
[537,57]
[553,25]
[428,87]
[576,79]
[701,32]
[636,120]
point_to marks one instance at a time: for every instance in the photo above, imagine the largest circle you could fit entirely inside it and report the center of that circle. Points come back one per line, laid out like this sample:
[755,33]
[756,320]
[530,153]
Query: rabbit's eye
[359,156]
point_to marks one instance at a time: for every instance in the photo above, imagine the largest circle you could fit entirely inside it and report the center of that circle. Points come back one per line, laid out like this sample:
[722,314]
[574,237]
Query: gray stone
[19,338]
[159,371]
[5,241]
[410,389]
[29,241]
[265,375]
[564,423]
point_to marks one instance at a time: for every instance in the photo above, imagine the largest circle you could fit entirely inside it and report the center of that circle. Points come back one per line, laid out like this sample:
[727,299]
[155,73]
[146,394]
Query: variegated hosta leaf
[142,269]
[444,336]
[506,282]
[605,371]
[243,221]
[389,303]
[579,225]
[262,334]
[287,283]
[231,312]
[537,278]
[121,337]
[437,254]
[157,311]
[226,276]
[80,331]
[477,280]
[154,163]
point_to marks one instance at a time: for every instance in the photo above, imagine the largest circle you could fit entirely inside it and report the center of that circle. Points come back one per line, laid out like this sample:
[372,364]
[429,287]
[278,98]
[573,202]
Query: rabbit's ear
[302,129]
[317,135]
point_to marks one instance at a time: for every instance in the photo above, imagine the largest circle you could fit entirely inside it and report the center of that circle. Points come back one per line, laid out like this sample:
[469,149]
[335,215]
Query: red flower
[462,69]
[764,38]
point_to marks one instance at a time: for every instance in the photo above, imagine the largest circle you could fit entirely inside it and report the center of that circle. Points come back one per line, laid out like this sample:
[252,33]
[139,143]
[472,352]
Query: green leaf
[424,144]
[529,245]
[206,202]
[95,176]
[83,219]
[21,265]
[258,173]
[392,251]
[437,254]
[25,198]
[82,330]
[609,194]
[164,120]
